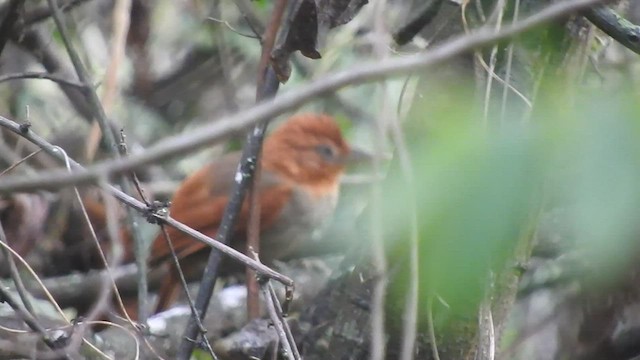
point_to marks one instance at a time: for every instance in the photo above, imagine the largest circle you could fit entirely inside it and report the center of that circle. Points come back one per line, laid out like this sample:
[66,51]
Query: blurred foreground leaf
[477,190]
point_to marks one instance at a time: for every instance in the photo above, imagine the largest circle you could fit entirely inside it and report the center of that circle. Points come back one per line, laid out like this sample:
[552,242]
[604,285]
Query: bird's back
[290,215]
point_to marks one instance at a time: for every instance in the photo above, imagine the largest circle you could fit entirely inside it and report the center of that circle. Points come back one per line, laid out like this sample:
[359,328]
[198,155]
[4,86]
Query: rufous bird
[302,163]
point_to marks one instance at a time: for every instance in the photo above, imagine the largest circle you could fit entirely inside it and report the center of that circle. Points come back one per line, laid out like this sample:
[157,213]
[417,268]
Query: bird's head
[309,149]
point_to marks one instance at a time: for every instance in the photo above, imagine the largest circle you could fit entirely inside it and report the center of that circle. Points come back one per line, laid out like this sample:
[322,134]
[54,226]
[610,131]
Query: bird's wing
[200,202]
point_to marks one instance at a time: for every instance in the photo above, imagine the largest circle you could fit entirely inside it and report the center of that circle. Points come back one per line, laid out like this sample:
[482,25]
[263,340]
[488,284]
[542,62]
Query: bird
[302,163]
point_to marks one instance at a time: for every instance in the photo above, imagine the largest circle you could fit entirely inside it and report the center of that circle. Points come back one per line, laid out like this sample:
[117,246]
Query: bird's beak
[358,156]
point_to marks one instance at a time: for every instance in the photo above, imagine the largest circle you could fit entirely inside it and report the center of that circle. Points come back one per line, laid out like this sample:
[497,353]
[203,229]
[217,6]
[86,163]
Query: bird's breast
[302,220]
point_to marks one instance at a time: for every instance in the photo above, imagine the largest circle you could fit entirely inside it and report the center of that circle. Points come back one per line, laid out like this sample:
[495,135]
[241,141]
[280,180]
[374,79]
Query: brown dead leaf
[305,29]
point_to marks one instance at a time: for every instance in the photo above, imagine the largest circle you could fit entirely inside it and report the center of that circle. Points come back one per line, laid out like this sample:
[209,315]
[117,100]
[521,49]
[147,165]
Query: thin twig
[410,316]
[268,41]
[140,247]
[351,110]
[32,272]
[207,135]
[30,320]
[493,57]
[15,274]
[55,152]
[229,89]
[108,285]
[279,323]
[274,309]
[507,75]
[41,75]
[120,20]
[107,278]
[479,59]
[183,282]
[253,226]
[17,163]
[431,328]
[226,23]
[492,337]
[250,17]
[92,97]
[124,329]
[98,110]
[47,294]
[140,207]
[42,13]
[121,25]
[267,87]
[40,49]
[281,315]
[378,335]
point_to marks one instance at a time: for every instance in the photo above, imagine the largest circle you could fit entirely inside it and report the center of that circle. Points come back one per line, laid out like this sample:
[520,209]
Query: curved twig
[42,75]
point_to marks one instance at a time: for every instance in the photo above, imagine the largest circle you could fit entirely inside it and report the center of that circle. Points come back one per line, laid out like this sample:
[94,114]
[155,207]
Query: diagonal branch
[142,208]
[92,97]
[614,25]
[210,134]
[30,320]
[267,88]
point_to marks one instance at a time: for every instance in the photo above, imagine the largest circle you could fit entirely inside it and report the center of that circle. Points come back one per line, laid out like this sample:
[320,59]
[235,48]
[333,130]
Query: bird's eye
[326,151]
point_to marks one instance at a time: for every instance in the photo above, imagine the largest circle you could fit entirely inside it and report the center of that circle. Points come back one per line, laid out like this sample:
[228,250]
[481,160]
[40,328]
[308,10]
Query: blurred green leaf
[477,190]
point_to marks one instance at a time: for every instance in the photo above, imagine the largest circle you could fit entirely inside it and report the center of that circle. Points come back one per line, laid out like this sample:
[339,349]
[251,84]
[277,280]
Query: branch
[42,13]
[15,274]
[10,18]
[210,134]
[253,227]
[142,208]
[425,16]
[42,75]
[614,25]
[30,320]
[282,329]
[92,97]
[32,42]
[267,88]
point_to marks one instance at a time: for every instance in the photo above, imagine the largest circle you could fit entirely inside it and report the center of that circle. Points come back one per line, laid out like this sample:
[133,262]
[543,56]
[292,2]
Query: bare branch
[614,25]
[42,75]
[267,87]
[208,135]
[96,107]
[141,208]
[15,274]
[31,321]
[10,18]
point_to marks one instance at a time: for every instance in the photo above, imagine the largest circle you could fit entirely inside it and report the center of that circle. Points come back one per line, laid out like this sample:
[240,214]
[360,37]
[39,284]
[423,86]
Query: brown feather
[297,193]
